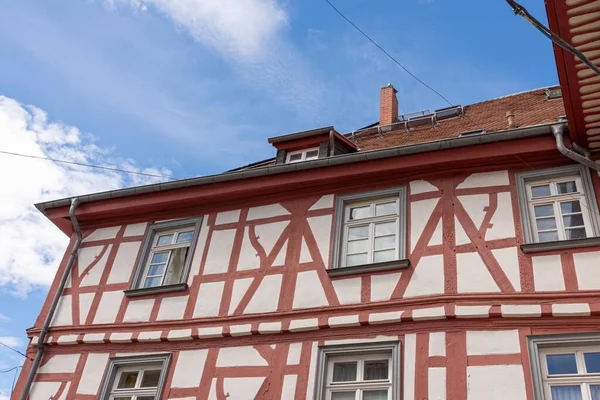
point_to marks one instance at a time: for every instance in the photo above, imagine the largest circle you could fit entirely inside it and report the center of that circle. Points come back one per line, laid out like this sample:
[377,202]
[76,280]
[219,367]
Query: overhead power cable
[124,171]
[388,54]
[5,371]
[522,11]
[16,351]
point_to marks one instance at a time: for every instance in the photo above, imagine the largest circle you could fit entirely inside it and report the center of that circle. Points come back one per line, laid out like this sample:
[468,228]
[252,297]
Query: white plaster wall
[437,344]
[219,252]
[138,310]
[63,314]
[420,212]
[209,299]
[475,205]
[436,382]
[324,202]
[473,275]
[60,363]
[92,373]
[484,179]
[172,308]
[108,307]
[240,286]
[305,256]
[547,273]
[266,297]
[103,233]
[508,259]
[347,290]
[135,229]
[493,342]
[228,217]
[321,230]
[43,390]
[586,267]
[503,223]
[427,278]
[242,388]
[309,291]
[268,211]
[268,234]
[248,255]
[436,238]
[85,302]
[421,186]
[198,251]
[85,258]
[410,351]
[189,368]
[288,391]
[122,267]
[294,353]
[382,286]
[460,236]
[496,382]
[239,356]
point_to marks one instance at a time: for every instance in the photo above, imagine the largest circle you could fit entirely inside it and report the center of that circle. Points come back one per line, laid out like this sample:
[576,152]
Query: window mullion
[162,281]
[371,242]
[559,221]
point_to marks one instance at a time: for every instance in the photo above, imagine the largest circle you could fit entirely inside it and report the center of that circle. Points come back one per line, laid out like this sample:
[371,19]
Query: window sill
[359,269]
[560,244]
[156,290]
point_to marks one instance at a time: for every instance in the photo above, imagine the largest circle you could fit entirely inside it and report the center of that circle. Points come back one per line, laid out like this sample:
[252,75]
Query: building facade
[449,255]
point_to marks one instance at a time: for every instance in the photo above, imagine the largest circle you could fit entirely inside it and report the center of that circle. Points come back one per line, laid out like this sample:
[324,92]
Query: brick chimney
[388,105]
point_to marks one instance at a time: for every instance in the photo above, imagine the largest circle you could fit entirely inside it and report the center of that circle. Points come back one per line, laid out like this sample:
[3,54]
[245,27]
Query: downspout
[55,300]
[331,144]
[558,131]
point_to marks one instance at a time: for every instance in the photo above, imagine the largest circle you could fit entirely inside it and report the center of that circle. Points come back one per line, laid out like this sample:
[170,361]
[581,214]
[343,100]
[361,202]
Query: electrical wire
[4,371]
[388,54]
[16,351]
[522,11]
[124,171]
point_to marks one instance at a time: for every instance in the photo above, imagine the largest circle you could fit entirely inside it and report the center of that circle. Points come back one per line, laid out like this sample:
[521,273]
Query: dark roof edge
[300,135]
[513,134]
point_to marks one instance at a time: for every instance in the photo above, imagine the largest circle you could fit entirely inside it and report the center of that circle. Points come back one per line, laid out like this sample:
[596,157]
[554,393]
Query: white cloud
[10,341]
[31,246]
[239,28]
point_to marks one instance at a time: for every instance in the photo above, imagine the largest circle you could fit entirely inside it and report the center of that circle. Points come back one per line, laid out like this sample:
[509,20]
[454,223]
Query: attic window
[472,133]
[555,93]
[302,155]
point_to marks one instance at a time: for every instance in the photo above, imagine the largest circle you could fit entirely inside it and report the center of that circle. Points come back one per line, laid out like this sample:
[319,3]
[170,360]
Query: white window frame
[552,176]
[150,247]
[119,365]
[540,346]
[303,153]
[328,355]
[342,224]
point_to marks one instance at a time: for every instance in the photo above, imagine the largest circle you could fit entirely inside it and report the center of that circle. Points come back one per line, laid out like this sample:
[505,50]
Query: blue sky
[197,90]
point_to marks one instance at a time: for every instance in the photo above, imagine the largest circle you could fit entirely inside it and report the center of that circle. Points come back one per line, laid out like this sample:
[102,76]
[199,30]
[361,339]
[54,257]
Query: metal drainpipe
[331,144]
[558,131]
[55,300]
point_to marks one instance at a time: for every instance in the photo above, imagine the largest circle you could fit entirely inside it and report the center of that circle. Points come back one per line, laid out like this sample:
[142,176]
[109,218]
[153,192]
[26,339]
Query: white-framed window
[369,371]
[166,254]
[557,204]
[571,373]
[302,155]
[371,231]
[135,378]
[370,228]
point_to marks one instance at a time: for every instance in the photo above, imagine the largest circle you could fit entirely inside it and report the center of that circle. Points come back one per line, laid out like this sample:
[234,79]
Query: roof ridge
[513,94]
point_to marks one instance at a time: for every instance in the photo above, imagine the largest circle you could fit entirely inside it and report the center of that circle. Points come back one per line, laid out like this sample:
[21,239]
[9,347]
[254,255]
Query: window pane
[150,378]
[385,228]
[360,212]
[573,220]
[539,191]
[164,240]
[122,398]
[385,242]
[312,154]
[343,395]
[561,364]
[185,237]
[157,269]
[544,224]
[375,394]
[127,380]
[595,391]
[358,246]
[548,236]
[376,370]
[175,269]
[592,362]
[386,208]
[344,372]
[358,232]
[566,392]
[569,207]
[566,187]
[145,398]
[158,258]
[153,282]
[547,210]
[357,259]
[578,233]
[295,157]
[384,255]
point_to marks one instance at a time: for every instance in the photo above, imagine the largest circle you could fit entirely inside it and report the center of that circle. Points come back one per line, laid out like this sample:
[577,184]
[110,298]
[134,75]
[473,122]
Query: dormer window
[302,155]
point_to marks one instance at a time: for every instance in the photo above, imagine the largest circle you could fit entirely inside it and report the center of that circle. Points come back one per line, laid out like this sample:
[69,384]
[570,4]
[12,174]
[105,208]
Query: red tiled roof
[529,108]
